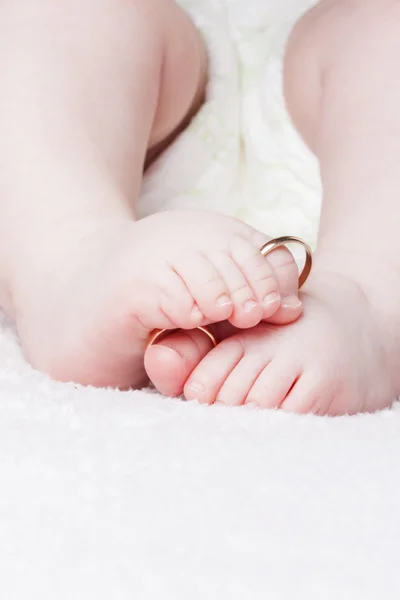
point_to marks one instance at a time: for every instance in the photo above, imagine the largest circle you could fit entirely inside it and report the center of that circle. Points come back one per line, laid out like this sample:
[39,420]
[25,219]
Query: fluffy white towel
[108,495]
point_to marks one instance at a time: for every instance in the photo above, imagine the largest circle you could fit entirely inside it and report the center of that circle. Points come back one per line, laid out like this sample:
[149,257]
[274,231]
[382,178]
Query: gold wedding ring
[288,239]
[158,334]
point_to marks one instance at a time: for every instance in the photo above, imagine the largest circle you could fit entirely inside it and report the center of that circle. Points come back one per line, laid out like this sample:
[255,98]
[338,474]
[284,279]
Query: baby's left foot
[341,357]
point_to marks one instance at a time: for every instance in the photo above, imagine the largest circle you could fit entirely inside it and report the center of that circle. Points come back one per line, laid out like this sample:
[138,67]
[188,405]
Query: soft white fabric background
[130,496]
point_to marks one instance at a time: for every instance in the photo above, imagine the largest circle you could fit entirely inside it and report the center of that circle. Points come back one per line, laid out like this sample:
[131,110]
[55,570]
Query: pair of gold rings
[269,247]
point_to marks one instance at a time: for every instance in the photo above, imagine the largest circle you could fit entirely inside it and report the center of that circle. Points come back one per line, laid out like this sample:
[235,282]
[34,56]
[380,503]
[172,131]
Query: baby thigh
[183,75]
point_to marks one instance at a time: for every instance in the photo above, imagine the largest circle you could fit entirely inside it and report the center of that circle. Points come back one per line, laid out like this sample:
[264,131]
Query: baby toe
[286,273]
[285,269]
[247,311]
[272,385]
[176,303]
[290,310]
[311,394]
[206,286]
[206,380]
[259,274]
[170,362]
[235,388]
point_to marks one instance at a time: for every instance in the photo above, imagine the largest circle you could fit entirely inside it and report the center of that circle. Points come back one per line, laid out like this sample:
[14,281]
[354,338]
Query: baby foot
[341,357]
[198,267]
[86,303]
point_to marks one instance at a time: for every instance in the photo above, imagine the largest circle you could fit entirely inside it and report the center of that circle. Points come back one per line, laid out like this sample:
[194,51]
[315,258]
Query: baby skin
[342,355]
[88,98]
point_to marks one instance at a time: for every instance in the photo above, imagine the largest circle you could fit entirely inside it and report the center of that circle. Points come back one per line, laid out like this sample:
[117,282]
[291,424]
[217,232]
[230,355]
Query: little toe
[170,362]
[273,384]
[206,380]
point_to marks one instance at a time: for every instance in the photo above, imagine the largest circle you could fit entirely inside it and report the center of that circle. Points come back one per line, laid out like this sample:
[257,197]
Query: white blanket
[131,496]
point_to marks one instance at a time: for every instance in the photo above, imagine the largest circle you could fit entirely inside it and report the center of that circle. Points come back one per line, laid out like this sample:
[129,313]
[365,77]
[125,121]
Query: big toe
[287,277]
[170,362]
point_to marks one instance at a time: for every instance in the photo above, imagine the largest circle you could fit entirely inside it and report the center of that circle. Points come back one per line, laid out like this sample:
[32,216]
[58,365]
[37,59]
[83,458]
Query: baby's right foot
[85,314]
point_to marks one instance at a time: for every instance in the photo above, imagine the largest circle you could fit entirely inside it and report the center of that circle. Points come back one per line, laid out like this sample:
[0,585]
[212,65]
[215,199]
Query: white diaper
[241,155]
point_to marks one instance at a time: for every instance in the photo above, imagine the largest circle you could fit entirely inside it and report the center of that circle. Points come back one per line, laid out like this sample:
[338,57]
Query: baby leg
[88,94]
[81,101]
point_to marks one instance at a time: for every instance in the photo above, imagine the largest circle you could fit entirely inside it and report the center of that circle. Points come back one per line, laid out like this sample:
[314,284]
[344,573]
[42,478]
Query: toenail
[196,387]
[291,301]
[224,301]
[251,405]
[196,313]
[165,352]
[249,306]
[272,298]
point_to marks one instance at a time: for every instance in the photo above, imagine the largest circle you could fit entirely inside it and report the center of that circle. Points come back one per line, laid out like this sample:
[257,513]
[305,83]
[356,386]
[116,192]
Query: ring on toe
[159,334]
[289,239]
[269,247]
